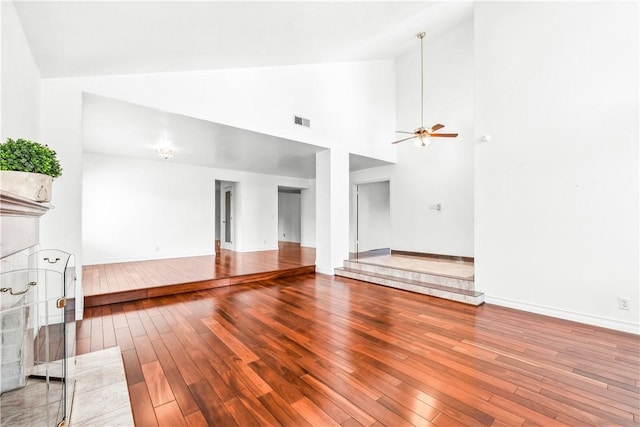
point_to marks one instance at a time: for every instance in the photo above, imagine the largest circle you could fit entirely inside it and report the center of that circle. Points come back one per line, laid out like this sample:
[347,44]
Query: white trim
[323,271]
[603,322]
[372,180]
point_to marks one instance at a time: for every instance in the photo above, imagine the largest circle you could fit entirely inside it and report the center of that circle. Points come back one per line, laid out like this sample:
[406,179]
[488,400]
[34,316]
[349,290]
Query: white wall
[557,186]
[351,105]
[443,171]
[139,209]
[136,209]
[20,104]
[308,215]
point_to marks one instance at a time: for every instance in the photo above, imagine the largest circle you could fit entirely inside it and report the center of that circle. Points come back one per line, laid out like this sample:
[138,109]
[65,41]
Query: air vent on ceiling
[302,121]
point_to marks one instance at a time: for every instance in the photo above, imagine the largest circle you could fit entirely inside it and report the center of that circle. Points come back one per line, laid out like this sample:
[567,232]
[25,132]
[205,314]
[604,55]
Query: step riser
[467,285]
[422,289]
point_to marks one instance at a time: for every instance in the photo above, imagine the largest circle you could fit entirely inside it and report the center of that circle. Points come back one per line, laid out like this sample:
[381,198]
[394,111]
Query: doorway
[371,223]
[289,215]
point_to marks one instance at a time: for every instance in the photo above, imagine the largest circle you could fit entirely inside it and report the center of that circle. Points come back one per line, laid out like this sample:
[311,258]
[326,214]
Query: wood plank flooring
[129,281]
[323,351]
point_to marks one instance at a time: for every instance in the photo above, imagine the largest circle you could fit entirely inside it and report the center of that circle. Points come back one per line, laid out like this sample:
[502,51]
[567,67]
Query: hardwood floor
[130,281]
[317,350]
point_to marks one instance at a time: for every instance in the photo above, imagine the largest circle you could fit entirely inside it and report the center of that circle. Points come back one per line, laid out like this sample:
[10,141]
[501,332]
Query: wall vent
[302,121]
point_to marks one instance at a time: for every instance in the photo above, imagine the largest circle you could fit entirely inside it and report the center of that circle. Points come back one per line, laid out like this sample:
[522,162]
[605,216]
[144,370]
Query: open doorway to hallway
[289,216]
[370,219]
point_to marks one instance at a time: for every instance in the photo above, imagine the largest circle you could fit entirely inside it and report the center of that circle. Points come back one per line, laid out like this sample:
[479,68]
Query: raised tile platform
[449,280]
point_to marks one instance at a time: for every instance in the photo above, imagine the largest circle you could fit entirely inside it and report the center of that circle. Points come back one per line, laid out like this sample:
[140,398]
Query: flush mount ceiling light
[165,152]
[422,134]
[165,149]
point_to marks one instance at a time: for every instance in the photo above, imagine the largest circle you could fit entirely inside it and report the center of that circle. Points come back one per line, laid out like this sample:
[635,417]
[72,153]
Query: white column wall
[308,208]
[256,214]
[323,212]
[332,209]
[339,207]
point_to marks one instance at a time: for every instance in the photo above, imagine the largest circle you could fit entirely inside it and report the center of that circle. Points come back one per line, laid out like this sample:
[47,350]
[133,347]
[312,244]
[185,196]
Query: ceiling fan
[423,134]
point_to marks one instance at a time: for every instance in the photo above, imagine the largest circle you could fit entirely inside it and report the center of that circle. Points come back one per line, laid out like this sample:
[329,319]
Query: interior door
[227,241]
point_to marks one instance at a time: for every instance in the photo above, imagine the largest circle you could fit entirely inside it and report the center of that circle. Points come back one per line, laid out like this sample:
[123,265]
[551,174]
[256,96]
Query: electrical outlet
[623,303]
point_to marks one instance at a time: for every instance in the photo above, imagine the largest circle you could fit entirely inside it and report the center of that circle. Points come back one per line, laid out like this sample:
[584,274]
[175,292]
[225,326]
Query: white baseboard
[323,271]
[566,315]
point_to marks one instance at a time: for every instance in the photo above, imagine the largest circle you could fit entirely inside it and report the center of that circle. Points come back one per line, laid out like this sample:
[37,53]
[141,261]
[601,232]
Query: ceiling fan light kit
[422,142]
[423,134]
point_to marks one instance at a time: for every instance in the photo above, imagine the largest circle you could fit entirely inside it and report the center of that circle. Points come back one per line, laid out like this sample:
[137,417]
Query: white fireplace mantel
[19,222]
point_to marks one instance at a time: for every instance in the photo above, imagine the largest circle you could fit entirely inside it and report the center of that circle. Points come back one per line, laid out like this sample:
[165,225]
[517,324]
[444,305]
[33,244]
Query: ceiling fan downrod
[421,37]
[423,134]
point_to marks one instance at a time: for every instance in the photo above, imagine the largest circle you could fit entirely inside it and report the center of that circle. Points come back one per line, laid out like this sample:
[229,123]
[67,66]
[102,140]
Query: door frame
[298,232]
[227,223]
[355,215]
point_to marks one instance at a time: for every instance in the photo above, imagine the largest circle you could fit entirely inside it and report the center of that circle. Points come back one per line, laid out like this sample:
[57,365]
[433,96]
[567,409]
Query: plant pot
[32,186]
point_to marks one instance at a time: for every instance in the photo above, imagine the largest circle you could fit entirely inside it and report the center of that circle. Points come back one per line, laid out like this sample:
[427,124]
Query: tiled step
[409,275]
[101,396]
[441,291]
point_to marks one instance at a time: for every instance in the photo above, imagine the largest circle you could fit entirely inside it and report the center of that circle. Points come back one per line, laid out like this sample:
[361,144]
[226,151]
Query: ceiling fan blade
[443,135]
[436,127]
[406,139]
[402,131]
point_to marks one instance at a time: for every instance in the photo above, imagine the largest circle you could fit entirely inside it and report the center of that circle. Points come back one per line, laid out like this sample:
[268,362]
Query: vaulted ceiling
[90,38]
[74,38]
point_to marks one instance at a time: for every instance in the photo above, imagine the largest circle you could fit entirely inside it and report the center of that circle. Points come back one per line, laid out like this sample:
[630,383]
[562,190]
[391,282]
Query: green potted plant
[27,169]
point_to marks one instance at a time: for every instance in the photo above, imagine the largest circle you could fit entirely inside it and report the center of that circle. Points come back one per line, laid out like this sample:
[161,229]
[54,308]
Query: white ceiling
[74,38]
[85,38]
